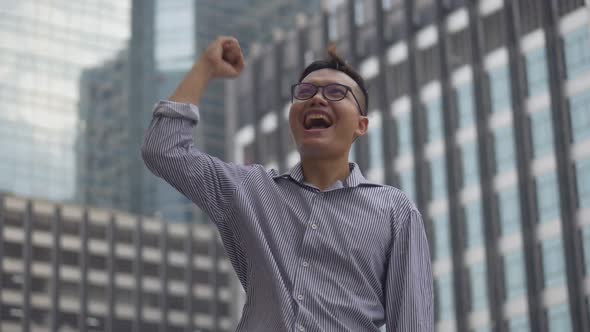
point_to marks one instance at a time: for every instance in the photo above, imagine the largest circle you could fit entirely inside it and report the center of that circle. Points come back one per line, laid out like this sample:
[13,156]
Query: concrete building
[479,111]
[71,268]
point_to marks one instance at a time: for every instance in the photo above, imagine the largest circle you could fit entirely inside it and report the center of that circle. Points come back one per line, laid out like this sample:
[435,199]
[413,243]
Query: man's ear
[363,126]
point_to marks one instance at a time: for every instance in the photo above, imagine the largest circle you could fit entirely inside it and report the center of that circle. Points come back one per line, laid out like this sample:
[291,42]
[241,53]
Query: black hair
[336,62]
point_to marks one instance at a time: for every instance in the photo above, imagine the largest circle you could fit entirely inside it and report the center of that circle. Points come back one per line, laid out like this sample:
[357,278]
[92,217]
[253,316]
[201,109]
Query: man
[318,248]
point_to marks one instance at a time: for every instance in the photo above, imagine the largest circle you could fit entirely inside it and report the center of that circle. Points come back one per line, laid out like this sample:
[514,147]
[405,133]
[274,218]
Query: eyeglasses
[331,92]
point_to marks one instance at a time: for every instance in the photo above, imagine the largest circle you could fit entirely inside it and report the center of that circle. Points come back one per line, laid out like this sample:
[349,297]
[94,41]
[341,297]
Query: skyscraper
[183,28]
[45,46]
[480,114]
[102,146]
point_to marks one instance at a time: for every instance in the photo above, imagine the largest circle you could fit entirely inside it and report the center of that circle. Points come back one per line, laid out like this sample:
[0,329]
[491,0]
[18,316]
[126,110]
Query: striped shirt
[349,258]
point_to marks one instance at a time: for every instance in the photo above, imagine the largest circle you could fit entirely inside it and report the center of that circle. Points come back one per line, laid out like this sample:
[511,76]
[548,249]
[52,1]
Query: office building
[480,113]
[181,31]
[45,46]
[74,268]
[102,145]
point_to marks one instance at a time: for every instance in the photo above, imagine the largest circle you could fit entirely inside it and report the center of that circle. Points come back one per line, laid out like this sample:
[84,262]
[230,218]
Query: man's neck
[323,173]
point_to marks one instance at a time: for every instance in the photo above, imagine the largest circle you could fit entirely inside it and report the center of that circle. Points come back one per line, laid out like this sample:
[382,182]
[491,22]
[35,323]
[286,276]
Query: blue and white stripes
[350,258]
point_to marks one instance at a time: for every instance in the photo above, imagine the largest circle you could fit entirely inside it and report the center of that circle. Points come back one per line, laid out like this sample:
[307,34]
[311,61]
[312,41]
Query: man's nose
[319,98]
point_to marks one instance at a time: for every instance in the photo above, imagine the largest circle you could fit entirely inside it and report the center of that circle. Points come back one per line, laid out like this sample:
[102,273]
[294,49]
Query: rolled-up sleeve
[408,290]
[168,151]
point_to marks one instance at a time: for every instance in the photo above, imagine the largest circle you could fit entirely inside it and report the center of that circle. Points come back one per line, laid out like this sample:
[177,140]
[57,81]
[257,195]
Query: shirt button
[305,264]
[314,226]
[300,328]
[300,297]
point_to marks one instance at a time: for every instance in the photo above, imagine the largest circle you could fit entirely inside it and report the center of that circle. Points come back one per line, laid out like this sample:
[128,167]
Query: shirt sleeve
[408,289]
[168,151]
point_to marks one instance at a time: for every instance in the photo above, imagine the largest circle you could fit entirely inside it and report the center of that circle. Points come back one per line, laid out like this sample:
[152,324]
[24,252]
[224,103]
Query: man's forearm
[193,85]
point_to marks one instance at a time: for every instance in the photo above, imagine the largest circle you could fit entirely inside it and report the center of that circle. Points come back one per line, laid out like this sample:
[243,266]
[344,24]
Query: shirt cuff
[172,109]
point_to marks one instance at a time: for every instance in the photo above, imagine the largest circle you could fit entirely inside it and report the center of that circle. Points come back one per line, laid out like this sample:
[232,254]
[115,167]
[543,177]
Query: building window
[465,105]
[500,89]
[473,223]
[479,294]
[536,71]
[333,26]
[509,211]
[580,116]
[547,197]
[514,275]
[376,148]
[408,184]
[445,303]
[553,262]
[577,52]
[542,132]
[519,324]
[582,180]
[482,329]
[359,12]
[438,178]
[442,248]
[404,130]
[470,164]
[504,148]
[435,121]
[559,318]
[586,245]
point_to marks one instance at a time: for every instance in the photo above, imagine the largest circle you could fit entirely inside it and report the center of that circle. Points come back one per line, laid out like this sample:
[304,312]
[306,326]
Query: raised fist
[223,58]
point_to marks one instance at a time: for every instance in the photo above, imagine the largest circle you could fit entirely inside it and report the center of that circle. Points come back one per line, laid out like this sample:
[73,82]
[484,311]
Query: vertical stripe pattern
[350,258]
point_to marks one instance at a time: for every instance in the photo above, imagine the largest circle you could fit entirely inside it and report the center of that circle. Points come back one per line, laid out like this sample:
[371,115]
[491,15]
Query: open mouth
[316,121]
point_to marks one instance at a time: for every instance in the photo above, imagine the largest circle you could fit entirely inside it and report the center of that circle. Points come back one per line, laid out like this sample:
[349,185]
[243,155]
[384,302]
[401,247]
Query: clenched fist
[222,59]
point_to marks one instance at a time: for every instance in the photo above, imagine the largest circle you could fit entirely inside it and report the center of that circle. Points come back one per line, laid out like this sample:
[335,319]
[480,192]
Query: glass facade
[465,105]
[536,71]
[514,274]
[492,192]
[442,240]
[500,89]
[582,180]
[547,197]
[438,178]
[404,129]
[504,148]
[435,122]
[408,184]
[479,291]
[444,301]
[553,262]
[542,132]
[580,116]
[559,318]
[470,164]
[586,245]
[376,145]
[577,52]
[175,35]
[45,47]
[509,208]
[519,324]
[474,225]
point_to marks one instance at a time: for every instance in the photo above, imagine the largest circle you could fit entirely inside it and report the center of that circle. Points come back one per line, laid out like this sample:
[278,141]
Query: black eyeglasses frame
[318,87]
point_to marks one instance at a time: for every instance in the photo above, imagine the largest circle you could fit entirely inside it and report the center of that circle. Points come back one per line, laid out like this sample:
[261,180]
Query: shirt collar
[354,179]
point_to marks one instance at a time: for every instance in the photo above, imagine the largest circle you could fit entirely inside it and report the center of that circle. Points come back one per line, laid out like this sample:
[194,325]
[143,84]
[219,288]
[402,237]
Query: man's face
[326,129]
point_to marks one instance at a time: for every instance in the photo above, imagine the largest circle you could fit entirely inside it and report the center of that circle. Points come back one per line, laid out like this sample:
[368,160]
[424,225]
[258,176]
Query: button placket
[299,287]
